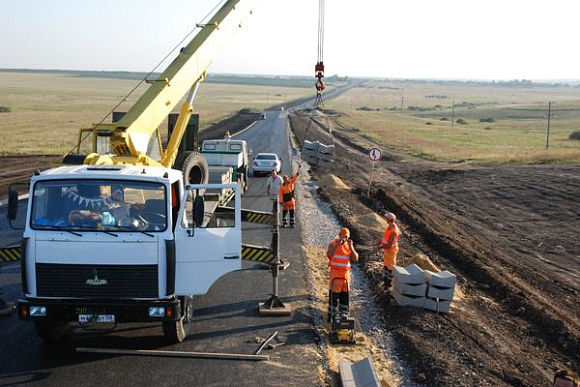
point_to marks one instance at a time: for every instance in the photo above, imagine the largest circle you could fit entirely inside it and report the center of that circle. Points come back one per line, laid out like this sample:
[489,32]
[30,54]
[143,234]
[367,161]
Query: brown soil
[509,233]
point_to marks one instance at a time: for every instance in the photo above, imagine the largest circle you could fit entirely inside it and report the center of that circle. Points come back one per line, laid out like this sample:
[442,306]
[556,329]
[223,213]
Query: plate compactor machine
[341,323]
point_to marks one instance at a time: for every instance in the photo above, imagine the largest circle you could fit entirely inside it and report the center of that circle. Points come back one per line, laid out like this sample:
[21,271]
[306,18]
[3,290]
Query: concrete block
[403,300]
[309,153]
[324,156]
[326,149]
[411,289]
[441,293]
[313,145]
[325,164]
[311,160]
[444,279]
[431,304]
[359,374]
[411,274]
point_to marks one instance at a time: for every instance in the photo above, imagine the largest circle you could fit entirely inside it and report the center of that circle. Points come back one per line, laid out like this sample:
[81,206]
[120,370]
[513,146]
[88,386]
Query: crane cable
[145,78]
[319,68]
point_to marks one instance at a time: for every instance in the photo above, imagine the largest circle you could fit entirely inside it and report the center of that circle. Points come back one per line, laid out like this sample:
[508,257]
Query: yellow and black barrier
[258,254]
[10,254]
[252,216]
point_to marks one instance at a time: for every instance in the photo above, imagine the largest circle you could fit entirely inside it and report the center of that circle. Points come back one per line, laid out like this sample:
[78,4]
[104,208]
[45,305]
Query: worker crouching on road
[390,246]
[286,193]
[340,253]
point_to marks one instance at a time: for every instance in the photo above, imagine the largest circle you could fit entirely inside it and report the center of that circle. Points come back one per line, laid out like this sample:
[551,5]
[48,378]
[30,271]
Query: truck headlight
[155,311]
[37,311]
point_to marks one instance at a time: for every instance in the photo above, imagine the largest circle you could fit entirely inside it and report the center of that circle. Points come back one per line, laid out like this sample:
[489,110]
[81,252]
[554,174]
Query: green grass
[517,133]
[47,109]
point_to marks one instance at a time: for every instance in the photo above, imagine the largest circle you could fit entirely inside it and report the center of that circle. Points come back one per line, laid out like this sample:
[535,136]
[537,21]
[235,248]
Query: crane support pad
[258,254]
[252,216]
[10,254]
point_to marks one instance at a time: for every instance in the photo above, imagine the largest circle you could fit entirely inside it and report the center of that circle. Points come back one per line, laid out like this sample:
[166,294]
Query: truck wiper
[60,229]
[110,233]
[135,230]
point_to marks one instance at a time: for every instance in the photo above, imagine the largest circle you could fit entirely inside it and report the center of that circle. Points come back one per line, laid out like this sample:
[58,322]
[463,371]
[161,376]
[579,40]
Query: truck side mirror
[12,204]
[198,210]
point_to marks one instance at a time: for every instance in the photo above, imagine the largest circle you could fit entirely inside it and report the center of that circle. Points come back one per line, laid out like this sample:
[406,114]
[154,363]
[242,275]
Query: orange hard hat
[344,232]
[390,216]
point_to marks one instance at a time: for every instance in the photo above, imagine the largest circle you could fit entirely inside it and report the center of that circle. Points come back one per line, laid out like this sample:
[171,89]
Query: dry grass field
[514,129]
[48,109]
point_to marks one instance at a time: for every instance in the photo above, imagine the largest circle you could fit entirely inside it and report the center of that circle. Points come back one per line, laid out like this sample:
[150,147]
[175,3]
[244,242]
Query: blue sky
[509,39]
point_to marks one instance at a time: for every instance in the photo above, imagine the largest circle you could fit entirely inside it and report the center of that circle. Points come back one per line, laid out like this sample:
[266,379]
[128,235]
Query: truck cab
[116,243]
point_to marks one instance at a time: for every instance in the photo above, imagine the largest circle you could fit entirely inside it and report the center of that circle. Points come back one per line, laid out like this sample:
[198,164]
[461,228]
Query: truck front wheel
[176,331]
[52,331]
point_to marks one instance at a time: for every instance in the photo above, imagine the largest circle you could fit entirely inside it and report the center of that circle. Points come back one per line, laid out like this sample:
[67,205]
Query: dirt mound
[423,262]
[331,181]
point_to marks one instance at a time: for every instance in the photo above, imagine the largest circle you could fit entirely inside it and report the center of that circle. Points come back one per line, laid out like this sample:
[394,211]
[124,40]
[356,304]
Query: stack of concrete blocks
[413,286]
[325,156]
[439,286]
[317,154]
[409,287]
[310,152]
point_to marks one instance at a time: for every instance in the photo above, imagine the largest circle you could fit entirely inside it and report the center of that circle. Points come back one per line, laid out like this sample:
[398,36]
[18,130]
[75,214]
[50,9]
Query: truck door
[211,247]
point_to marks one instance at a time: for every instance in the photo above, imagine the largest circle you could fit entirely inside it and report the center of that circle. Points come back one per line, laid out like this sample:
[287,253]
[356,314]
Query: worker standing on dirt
[286,193]
[340,253]
[273,185]
[390,245]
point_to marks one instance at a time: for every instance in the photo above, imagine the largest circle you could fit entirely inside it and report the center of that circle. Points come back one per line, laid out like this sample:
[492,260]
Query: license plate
[100,318]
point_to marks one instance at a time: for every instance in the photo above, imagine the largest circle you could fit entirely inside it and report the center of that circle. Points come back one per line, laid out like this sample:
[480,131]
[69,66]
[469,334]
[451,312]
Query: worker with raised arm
[286,194]
[390,246]
[340,253]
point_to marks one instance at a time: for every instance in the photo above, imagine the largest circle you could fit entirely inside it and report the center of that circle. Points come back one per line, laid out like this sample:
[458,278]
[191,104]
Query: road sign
[375,154]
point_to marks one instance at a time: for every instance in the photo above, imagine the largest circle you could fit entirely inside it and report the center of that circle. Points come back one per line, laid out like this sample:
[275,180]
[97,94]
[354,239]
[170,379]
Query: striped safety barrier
[10,254]
[252,216]
[258,254]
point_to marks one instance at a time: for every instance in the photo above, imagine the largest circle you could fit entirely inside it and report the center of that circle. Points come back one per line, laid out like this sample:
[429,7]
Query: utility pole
[452,113]
[549,117]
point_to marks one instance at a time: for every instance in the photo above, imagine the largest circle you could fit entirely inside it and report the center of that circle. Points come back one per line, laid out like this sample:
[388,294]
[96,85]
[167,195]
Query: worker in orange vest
[286,193]
[340,253]
[390,245]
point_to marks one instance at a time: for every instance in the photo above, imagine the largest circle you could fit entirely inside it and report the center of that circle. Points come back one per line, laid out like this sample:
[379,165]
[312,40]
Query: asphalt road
[226,319]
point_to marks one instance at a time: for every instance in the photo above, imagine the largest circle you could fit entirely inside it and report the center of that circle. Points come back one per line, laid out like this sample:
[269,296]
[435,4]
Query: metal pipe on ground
[149,352]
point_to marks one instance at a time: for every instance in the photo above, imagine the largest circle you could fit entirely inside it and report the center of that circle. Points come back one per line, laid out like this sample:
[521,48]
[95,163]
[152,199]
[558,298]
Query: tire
[52,331]
[194,168]
[176,331]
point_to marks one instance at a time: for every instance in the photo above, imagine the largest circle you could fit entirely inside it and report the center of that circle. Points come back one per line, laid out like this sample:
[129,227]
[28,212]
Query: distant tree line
[5,109]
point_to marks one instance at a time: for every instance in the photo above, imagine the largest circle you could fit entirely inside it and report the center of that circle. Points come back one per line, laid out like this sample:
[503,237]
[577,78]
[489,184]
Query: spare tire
[194,168]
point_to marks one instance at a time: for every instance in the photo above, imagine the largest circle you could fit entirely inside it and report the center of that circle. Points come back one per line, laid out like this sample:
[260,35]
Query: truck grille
[96,281]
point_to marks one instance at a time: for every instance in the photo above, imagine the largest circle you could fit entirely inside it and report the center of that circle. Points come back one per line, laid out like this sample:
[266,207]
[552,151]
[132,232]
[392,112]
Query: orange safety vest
[341,258]
[339,265]
[390,254]
[287,194]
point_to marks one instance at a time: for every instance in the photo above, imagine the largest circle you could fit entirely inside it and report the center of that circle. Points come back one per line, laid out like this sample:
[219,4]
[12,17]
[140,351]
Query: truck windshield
[99,205]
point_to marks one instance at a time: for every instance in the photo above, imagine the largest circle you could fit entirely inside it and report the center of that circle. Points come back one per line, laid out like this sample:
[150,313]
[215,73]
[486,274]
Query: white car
[265,163]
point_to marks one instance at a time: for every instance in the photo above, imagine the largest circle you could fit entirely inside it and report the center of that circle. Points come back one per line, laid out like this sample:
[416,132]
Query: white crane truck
[128,236]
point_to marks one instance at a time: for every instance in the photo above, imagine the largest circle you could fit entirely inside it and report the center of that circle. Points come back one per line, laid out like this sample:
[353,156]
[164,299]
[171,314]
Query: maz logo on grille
[96,281]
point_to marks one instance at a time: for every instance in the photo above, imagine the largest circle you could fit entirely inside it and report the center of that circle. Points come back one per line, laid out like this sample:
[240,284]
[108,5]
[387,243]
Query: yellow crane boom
[132,133]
